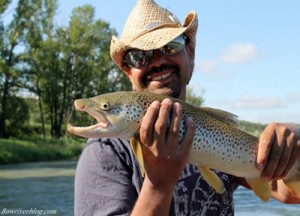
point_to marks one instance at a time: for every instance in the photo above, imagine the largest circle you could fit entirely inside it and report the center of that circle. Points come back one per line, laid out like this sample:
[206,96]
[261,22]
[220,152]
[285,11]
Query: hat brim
[154,39]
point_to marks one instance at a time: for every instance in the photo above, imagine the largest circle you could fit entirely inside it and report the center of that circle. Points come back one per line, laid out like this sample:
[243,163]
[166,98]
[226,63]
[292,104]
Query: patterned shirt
[108,181]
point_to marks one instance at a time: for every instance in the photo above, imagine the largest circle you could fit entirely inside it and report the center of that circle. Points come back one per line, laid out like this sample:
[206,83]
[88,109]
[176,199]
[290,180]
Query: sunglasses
[140,58]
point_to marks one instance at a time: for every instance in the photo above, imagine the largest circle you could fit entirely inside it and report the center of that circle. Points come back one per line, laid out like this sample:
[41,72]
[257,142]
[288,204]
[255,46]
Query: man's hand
[279,147]
[165,156]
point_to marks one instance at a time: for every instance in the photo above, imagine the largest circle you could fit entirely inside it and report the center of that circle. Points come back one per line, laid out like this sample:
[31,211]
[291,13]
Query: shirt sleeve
[104,181]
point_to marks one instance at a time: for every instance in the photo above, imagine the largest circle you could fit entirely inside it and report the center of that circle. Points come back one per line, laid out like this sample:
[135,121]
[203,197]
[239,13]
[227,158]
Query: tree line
[44,67]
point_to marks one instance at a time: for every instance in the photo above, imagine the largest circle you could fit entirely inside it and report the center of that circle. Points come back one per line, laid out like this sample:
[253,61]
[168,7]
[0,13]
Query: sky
[247,54]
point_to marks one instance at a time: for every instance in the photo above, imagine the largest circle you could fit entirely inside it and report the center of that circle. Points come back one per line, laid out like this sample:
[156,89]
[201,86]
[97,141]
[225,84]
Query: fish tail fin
[137,150]
[261,188]
[212,179]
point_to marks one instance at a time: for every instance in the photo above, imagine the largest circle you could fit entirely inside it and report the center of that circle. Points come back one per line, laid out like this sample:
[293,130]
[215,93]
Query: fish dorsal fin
[223,116]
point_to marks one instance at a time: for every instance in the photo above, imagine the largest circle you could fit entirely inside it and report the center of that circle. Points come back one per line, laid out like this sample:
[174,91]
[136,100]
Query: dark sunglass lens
[173,46]
[138,58]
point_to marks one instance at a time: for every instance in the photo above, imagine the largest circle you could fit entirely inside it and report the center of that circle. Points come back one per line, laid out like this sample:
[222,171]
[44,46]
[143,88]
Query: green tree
[93,71]
[39,50]
[72,62]
[11,77]
[3,6]
[55,64]
[19,125]
[192,98]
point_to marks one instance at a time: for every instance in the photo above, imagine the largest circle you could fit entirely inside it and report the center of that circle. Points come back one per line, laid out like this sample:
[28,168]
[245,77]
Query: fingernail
[167,101]
[155,104]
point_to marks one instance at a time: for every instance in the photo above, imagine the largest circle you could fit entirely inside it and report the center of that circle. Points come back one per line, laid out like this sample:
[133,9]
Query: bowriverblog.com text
[32,211]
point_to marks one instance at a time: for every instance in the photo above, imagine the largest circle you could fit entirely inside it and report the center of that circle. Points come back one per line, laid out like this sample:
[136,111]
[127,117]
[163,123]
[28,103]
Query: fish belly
[237,164]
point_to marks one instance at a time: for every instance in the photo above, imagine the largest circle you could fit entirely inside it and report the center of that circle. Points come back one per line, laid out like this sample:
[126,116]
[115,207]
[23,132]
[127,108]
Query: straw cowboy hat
[149,27]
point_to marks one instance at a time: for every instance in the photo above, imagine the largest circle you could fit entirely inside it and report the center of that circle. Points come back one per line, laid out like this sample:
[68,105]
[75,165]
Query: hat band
[153,26]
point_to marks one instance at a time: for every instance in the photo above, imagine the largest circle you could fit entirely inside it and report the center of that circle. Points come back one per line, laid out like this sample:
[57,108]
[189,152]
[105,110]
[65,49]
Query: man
[157,54]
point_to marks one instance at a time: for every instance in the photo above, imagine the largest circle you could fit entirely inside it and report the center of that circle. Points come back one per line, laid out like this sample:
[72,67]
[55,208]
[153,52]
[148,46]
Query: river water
[48,187]
[38,186]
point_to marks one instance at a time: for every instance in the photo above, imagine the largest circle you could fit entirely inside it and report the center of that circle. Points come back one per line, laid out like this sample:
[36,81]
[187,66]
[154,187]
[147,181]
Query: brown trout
[218,142]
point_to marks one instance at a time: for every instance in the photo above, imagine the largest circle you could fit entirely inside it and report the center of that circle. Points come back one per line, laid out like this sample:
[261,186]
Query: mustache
[161,68]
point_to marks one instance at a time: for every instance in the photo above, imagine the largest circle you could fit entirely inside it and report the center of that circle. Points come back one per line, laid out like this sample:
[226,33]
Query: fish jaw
[94,131]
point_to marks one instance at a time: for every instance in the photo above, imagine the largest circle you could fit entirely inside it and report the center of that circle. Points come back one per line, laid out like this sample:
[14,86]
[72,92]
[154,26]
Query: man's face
[164,74]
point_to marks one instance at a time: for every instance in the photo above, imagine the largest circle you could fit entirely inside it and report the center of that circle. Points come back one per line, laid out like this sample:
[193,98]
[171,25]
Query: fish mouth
[100,117]
[93,131]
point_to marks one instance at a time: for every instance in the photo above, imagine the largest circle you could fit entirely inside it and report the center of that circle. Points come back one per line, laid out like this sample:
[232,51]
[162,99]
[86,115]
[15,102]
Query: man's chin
[166,91]
[172,89]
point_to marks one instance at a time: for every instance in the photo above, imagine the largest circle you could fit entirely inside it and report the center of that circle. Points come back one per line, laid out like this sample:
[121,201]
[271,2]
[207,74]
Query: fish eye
[105,106]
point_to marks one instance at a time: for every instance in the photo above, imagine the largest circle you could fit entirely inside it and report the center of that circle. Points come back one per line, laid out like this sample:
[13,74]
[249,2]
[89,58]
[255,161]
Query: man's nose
[158,59]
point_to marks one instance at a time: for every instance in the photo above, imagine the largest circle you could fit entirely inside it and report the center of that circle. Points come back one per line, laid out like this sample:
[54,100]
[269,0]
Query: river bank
[35,149]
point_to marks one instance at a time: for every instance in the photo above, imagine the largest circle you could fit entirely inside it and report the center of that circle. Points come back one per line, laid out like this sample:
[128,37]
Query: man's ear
[191,52]
[190,49]
[126,70]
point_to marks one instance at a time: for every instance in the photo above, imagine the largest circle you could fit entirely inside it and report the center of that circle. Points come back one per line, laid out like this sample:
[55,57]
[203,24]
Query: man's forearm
[153,201]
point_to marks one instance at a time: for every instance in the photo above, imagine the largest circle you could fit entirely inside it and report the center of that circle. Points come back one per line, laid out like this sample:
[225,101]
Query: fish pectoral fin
[292,180]
[294,188]
[137,150]
[293,184]
[212,179]
[261,188]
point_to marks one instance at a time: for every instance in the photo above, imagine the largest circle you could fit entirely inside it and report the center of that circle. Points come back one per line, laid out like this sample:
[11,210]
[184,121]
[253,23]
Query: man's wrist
[156,199]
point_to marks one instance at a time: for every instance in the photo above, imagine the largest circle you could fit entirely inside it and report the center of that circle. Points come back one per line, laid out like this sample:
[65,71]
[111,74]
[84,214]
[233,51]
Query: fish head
[117,115]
